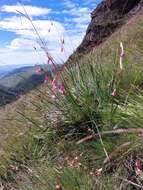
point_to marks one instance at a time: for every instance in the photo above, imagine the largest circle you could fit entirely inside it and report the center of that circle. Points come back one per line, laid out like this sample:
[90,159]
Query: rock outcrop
[106,19]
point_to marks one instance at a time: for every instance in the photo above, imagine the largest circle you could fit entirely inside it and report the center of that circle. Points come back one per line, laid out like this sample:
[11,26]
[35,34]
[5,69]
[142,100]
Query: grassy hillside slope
[90,136]
[20,81]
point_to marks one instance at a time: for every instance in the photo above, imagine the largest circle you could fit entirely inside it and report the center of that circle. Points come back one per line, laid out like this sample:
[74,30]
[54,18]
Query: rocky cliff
[106,19]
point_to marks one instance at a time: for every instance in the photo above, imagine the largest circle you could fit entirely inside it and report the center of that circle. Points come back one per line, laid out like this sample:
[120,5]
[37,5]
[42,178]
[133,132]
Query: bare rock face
[106,18]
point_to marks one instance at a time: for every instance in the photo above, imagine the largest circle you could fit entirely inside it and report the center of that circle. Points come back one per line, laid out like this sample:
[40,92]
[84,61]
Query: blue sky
[54,19]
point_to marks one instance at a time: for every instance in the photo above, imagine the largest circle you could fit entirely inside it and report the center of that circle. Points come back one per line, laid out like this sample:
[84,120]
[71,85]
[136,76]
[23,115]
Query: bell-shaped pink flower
[54,84]
[138,166]
[46,79]
[53,97]
[122,54]
[114,93]
[61,89]
[38,70]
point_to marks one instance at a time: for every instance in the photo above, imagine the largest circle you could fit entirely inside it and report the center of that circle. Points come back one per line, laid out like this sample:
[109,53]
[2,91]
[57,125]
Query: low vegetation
[85,124]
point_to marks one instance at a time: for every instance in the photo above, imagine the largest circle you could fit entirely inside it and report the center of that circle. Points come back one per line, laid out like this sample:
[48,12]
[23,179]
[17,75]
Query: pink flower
[99,171]
[53,97]
[38,70]
[57,86]
[61,89]
[58,187]
[46,79]
[122,50]
[114,93]
[54,84]
[121,55]
[138,166]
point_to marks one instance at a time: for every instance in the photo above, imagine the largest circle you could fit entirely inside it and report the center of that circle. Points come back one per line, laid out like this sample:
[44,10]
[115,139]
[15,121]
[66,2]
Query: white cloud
[23,27]
[20,50]
[31,10]
[81,20]
[80,17]
[22,43]
[69,4]
[77,24]
[13,57]
[80,11]
[92,3]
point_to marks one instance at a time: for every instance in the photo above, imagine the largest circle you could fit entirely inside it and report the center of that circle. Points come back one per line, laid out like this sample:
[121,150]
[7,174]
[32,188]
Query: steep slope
[109,16]
[5,69]
[120,172]
[115,176]
[6,96]
[20,75]
[20,81]
[58,140]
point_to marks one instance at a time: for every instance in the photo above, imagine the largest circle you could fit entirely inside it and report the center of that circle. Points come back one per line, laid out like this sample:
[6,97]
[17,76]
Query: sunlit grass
[58,117]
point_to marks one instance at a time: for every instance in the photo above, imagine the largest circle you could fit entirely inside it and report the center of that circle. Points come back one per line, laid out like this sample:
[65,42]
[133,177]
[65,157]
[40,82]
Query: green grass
[44,154]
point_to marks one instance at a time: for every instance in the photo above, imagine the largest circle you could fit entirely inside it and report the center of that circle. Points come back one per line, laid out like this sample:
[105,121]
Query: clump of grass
[47,176]
[87,98]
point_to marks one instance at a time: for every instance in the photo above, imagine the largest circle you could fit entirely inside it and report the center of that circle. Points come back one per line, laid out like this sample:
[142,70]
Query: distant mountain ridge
[18,70]
[20,81]
[5,69]
[6,96]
